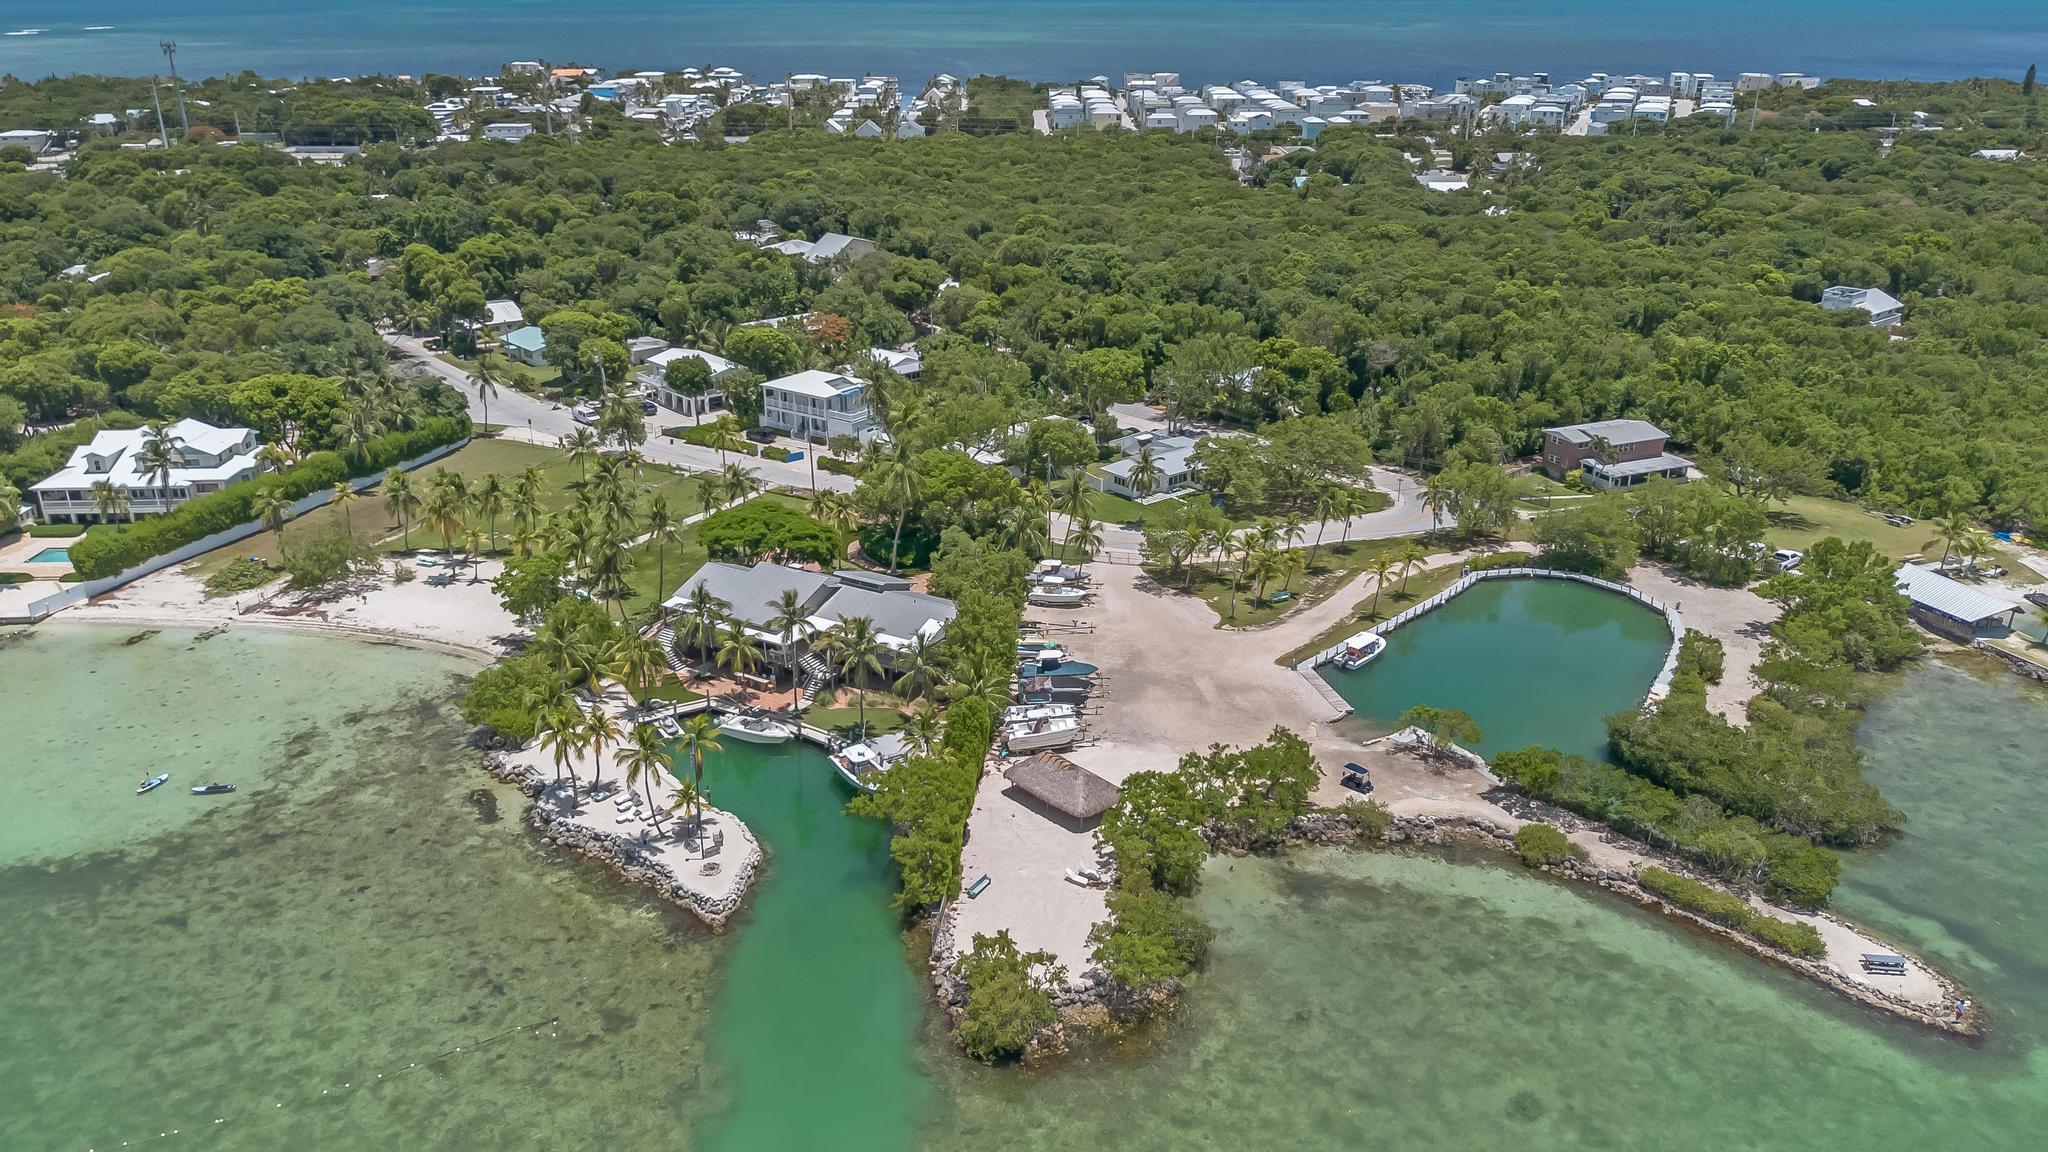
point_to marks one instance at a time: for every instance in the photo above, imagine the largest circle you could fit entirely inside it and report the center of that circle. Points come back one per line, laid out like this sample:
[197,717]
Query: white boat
[152,784]
[1039,735]
[756,729]
[860,765]
[1056,593]
[1360,650]
[1025,713]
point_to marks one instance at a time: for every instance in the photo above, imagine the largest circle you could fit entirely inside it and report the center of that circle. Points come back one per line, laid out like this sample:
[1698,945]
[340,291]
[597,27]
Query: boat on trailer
[1036,690]
[1020,713]
[1050,595]
[1040,735]
[1360,650]
[756,729]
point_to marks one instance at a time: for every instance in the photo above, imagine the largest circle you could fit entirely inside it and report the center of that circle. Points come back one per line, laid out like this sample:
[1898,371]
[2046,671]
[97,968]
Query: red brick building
[1611,453]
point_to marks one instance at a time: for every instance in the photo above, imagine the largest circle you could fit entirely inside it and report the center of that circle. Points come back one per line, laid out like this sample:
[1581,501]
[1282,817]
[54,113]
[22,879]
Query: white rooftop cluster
[864,106]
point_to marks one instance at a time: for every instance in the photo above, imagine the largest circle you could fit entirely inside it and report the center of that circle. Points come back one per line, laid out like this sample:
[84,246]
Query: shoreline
[267,623]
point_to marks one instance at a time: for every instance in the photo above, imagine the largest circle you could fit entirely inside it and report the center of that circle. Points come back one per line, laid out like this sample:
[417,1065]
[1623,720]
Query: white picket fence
[1659,688]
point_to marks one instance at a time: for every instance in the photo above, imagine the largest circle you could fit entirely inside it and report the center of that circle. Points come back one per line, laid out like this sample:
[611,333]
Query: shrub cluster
[841,467]
[1009,997]
[1732,911]
[1494,560]
[774,452]
[56,530]
[1736,848]
[115,548]
[239,575]
[1541,845]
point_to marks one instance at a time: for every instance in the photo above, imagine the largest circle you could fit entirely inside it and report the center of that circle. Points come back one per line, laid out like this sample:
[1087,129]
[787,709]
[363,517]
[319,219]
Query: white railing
[1659,688]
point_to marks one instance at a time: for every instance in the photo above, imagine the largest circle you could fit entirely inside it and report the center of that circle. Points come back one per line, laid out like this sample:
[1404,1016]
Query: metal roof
[1613,431]
[1937,593]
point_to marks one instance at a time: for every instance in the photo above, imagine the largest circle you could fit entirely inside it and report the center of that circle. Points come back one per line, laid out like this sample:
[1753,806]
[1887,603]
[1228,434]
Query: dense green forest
[1670,275]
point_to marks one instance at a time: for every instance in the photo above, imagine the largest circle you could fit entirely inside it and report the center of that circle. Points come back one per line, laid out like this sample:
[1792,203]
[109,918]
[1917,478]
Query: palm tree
[109,500]
[160,453]
[344,495]
[736,484]
[983,680]
[1289,565]
[703,615]
[402,502]
[276,457]
[1082,534]
[924,728]
[662,531]
[581,445]
[687,798]
[273,509]
[636,661]
[896,475]
[1025,528]
[447,512]
[1953,532]
[700,732]
[599,731]
[645,757]
[561,732]
[1075,494]
[489,373]
[357,428]
[917,667]
[790,620]
[1382,567]
[1214,542]
[610,563]
[1247,545]
[489,500]
[1410,557]
[738,653]
[835,510]
[1438,497]
[1145,476]
[856,647]
[724,435]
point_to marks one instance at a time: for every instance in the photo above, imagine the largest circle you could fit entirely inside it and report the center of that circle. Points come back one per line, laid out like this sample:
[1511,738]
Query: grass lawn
[1801,520]
[1421,585]
[654,577]
[670,689]
[529,378]
[883,715]
[474,461]
[1335,566]
[1110,508]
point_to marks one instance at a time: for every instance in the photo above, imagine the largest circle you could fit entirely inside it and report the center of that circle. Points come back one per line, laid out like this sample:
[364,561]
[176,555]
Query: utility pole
[170,49]
[163,136]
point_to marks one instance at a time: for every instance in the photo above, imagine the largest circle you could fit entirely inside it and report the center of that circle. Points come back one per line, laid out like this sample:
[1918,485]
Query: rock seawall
[628,857]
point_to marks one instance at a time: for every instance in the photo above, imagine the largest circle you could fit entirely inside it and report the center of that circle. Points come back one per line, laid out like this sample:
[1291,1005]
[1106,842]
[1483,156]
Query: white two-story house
[208,459]
[653,376]
[819,405]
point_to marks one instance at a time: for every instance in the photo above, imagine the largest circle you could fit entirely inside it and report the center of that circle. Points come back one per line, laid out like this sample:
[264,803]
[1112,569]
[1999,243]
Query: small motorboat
[212,789]
[1360,650]
[669,729]
[860,765]
[756,729]
[1040,735]
[1022,713]
[1050,595]
[152,784]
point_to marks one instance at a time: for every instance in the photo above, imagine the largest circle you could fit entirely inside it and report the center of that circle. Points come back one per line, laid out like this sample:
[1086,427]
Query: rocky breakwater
[709,874]
[1934,1008]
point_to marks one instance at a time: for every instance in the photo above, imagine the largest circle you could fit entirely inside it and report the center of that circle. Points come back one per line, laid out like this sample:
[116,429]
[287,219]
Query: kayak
[152,783]
[212,789]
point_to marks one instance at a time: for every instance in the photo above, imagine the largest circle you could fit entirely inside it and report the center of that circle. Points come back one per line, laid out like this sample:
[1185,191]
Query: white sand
[461,617]
[732,863]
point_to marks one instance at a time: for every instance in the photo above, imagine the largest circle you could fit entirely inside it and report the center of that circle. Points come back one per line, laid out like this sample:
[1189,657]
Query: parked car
[761,435]
[584,413]
[1787,559]
[647,407]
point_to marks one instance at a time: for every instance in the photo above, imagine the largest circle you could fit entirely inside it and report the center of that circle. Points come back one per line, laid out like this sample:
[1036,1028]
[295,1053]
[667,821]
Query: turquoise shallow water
[1533,661]
[1208,41]
[366,906]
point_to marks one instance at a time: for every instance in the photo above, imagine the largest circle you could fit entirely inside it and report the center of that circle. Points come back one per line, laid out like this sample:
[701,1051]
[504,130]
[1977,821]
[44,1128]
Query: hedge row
[111,549]
[842,467]
[706,436]
[56,529]
[1499,560]
[1730,910]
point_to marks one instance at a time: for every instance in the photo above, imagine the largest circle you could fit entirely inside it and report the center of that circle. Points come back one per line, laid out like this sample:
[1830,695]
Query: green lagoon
[1534,661]
[368,903]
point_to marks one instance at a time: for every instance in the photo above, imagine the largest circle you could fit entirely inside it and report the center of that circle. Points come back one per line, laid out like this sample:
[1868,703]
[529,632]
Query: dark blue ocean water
[1318,41]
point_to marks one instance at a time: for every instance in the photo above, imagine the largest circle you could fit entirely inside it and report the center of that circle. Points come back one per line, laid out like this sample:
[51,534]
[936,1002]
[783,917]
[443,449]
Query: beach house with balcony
[1612,453]
[207,459]
[818,405]
[653,375]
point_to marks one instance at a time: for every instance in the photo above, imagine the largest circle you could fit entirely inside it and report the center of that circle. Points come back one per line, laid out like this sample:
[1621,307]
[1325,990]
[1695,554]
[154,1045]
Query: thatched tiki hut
[1062,791]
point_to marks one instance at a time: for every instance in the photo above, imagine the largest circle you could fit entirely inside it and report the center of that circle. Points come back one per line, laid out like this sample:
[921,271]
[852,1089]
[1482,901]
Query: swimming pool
[52,556]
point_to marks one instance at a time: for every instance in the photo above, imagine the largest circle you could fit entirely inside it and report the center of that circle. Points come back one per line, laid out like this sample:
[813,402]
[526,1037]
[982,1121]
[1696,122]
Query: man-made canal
[1533,661]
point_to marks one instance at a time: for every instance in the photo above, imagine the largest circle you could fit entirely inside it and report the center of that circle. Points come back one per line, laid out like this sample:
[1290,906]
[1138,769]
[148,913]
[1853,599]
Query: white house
[502,316]
[1173,456]
[207,460]
[510,131]
[2001,155]
[1439,180]
[901,361]
[818,405]
[898,613]
[1885,309]
[825,247]
[654,376]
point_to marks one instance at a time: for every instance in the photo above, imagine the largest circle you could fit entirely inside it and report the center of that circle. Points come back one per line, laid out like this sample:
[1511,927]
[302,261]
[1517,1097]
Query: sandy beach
[462,617]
